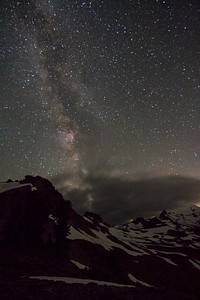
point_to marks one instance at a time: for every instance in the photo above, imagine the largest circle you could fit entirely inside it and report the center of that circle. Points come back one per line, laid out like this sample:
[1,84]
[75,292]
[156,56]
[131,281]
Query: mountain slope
[41,236]
[163,251]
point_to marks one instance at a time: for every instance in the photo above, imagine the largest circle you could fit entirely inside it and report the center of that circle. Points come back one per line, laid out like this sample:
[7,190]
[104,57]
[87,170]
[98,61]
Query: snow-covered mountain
[161,251]
[158,257]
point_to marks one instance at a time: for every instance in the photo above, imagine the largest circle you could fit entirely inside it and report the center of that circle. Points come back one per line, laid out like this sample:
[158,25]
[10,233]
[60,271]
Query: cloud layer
[118,200]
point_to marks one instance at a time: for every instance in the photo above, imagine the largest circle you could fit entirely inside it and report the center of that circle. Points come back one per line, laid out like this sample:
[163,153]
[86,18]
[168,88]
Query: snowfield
[80,281]
[6,186]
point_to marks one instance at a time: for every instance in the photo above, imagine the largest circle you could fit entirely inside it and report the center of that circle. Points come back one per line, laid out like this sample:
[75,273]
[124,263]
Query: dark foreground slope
[23,289]
[41,236]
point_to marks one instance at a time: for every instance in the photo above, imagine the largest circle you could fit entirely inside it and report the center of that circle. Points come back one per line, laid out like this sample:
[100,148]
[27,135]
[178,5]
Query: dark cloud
[118,200]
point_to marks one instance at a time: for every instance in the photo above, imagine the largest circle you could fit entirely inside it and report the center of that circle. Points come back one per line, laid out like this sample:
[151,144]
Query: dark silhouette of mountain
[33,228]
[41,236]
[34,214]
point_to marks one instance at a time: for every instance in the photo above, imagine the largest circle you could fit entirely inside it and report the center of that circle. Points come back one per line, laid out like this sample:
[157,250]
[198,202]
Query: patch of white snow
[80,280]
[6,186]
[79,265]
[169,261]
[135,280]
[197,266]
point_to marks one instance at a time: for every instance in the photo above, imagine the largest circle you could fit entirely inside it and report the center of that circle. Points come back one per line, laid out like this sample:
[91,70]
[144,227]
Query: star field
[99,87]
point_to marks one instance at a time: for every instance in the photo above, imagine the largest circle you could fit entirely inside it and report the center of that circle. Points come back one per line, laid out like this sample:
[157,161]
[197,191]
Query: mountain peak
[163,215]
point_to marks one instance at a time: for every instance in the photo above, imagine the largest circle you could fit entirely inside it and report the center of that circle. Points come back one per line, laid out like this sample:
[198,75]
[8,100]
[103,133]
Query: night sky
[103,99]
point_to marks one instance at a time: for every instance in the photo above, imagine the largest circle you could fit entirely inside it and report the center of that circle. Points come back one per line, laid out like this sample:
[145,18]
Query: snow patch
[135,280]
[102,240]
[79,265]
[197,266]
[169,261]
[6,186]
[79,235]
[87,219]
[176,253]
[108,244]
[80,280]
[33,188]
